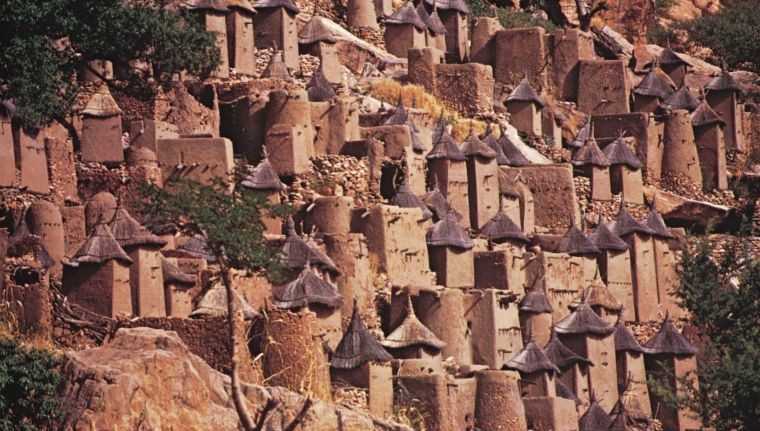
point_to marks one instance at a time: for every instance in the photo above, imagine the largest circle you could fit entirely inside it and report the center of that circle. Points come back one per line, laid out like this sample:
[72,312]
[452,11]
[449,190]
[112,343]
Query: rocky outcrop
[147,379]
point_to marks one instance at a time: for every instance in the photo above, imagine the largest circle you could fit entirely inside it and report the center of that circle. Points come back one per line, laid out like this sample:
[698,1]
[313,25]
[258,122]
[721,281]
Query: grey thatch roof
[197,246]
[319,87]
[276,68]
[657,224]
[432,20]
[704,115]
[655,84]
[501,227]
[400,116]
[535,301]
[511,151]
[724,82]
[100,246]
[625,341]
[619,153]
[457,5]
[561,355]
[670,57]
[583,320]
[604,239]
[358,346]
[474,147]
[625,224]
[101,104]
[447,232]
[444,145]
[623,420]
[524,92]
[172,274]
[407,15]
[489,139]
[263,177]
[287,4]
[214,304]
[404,198]
[316,30]
[307,289]
[576,243]
[682,99]
[411,332]
[438,204]
[668,341]
[297,252]
[598,295]
[128,232]
[531,359]
[595,418]
[590,155]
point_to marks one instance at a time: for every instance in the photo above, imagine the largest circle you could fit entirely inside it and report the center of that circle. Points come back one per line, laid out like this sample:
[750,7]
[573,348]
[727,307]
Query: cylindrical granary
[44,220]
[498,406]
[361,14]
[680,157]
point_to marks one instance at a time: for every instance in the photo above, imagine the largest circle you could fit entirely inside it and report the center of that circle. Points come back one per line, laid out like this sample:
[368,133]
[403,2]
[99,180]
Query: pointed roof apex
[625,224]
[657,224]
[531,359]
[287,4]
[320,90]
[405,198]
[501,227]
[619,153]
[704,115]
[670,57]
[604,239]
[297,252]
[447,232]
[511,151]
[444,146]
[411,332]
[595,418]
[655,84]
[561,355]
[101,104]
[524,92]
[408,15]
[590,155]
[668,341]
[129,232]
[358,346]
[598,295]
[307,289]
[489,139]
[100,247]
[624,339]
[535,301]
[583,320]
[276,68]
[682,99]
[724,82]
[576,243]
[263,177]
[432,20]
[474,147]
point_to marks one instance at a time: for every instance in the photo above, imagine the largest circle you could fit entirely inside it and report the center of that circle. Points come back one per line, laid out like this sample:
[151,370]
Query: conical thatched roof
[657,224]
[583,320]
[501,227]
[296,252]
[263,177]
[101,104]
[214,304]
[432,20]
[128,232]
[457,5]
[595,418]
[307,289]
[407,15]
[590,155]
[474,147]
[404,198]
[668,341]
[100,246]
[438,204]
[704,115]
[625,224]
[625,341]
[447,232]
[444,146]
[619,153]
[524,92]
[531,359]
[489,139]
[319,87]
[287,4]
[358,346]
[411,332]
[598,295]
[172,274]
[196,246]
[216,5]
[561,355]
[624,420]
[604,239]
[682,99]
[276,68]
[535,301]
[724,82]
[400,116]
[511,151]
[655,84]
[576,243]
[670,57]
[316,30]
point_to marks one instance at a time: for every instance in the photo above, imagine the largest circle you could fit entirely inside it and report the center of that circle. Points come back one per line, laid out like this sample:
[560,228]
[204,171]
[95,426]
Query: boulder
[678,210]
[147,379]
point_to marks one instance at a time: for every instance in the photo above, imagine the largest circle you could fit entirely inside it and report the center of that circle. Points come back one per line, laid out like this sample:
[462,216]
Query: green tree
[28,388]
[732,34]
[43,43]
[230,223]
[723,297]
